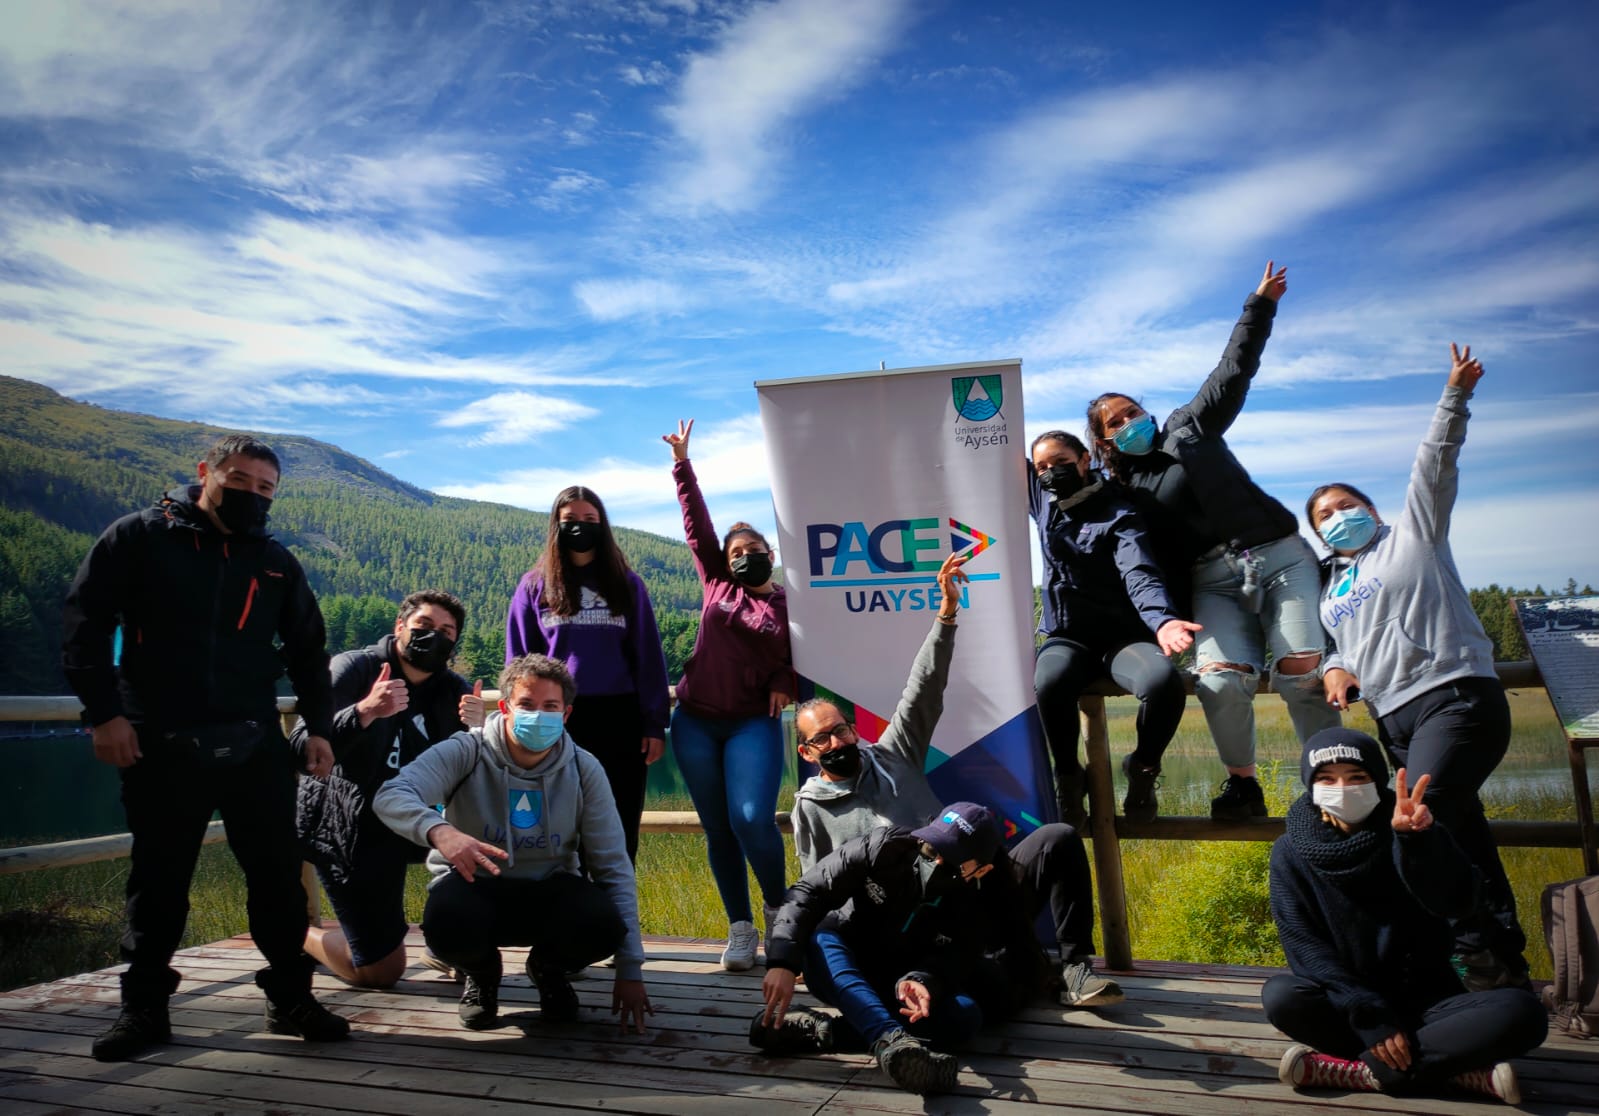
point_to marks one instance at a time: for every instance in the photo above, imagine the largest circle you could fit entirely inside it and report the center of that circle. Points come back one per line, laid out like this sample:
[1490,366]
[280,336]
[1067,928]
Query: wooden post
[1116,939]
[1584,801]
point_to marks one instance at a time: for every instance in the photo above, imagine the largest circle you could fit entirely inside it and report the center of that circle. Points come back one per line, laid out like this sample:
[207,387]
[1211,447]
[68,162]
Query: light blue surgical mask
[1137,437]
[537,730]
[1350,529]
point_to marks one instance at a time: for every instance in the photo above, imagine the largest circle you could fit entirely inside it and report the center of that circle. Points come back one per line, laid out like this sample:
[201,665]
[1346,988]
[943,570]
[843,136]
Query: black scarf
[1332,852]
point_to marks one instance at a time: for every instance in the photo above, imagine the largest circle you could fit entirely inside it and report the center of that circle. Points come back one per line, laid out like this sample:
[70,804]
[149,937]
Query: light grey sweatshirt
[891,787]
[1397,612]
[541,816]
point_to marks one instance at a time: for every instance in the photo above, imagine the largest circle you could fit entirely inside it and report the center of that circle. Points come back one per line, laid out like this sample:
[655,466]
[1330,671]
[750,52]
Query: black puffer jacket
[202,614]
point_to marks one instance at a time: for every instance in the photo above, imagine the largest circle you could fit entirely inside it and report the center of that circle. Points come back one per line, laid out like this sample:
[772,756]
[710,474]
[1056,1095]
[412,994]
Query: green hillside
[67,469]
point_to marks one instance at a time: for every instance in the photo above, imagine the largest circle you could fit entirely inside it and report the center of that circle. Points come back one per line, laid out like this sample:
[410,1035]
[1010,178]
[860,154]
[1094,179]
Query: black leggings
[568,921]
[1065,668]
[611,728]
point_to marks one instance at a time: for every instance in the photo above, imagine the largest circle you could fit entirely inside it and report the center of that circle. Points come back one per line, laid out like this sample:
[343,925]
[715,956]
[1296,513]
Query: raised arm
[1221,397]
[1435,477]
[709,561]
[910,730]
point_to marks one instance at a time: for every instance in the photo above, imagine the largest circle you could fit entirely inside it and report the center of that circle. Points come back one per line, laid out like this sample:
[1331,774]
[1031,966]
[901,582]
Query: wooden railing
[1106,830]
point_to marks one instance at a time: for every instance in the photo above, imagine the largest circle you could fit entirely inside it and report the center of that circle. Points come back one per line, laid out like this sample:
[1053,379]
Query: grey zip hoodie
[1397,612]
[541,816]
[890,788]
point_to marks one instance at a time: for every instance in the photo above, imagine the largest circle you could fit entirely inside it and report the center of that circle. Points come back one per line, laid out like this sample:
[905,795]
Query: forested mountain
[67,469]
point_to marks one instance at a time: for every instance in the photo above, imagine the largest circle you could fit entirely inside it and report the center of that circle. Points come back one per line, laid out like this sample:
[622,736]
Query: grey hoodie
[563,804]
[891,788]
[1397,612]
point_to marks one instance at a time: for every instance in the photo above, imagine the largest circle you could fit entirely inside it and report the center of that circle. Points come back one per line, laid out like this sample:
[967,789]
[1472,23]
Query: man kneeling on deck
[521,792]
[911,938]
[862,786]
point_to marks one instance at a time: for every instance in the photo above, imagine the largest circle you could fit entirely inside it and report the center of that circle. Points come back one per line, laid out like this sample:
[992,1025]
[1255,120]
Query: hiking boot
[742,942]
[1241,800]
[558,1001]
[912,1066]
[1080,988]
[1481,970]
[292,1010]
[801,1032]
[1495,1081]
[1303,1068]
[137,1028]
[1140,804]
[1069,791]
[432,961]
[480,999]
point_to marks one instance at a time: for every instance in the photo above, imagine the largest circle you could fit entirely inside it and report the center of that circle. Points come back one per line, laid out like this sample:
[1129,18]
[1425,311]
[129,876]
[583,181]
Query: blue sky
[498,248]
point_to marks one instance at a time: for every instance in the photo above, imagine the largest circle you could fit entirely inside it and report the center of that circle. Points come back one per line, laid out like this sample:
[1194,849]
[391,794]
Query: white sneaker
[742,941]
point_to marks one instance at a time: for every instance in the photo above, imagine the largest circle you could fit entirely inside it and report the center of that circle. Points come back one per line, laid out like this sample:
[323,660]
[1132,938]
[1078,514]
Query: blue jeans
[862,988]
[733,767]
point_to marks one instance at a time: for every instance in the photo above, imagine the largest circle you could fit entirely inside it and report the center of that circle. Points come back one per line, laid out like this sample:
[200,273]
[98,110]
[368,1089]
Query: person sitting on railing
[393,700]
[1410,644]
[1106,612]
[203,596]
[526,812]
[1363,884]
[861,786]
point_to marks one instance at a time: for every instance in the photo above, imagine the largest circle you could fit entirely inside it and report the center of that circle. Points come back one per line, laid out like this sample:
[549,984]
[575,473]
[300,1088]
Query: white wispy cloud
[517,417]
[610,300]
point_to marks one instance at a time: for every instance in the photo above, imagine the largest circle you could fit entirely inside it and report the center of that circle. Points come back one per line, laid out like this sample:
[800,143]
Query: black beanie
[1343,745]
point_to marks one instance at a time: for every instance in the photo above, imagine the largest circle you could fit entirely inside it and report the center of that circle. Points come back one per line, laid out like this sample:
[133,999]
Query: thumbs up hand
[388,697]
[471,709]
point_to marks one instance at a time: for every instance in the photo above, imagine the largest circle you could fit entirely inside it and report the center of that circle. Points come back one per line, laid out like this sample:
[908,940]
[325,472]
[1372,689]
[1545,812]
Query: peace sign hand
[1464,371]
[1411,814]
[679,441]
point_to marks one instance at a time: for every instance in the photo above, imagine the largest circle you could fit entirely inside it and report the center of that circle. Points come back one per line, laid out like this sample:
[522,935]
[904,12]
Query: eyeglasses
[843,732]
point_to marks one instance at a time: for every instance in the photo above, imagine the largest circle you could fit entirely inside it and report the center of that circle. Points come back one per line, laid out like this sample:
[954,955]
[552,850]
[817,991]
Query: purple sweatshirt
[606,654]
[741,653]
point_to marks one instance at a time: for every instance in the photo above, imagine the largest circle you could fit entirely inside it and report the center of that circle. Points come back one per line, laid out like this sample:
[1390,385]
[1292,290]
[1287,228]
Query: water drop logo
[977,398]
[527,808]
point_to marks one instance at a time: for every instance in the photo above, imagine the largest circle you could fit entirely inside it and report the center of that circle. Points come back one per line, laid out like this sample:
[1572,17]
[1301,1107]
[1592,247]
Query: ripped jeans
[1287,623]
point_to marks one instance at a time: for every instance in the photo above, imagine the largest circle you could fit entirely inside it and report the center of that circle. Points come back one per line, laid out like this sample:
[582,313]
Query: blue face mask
[1349,529]
[537,730]
[1137,437]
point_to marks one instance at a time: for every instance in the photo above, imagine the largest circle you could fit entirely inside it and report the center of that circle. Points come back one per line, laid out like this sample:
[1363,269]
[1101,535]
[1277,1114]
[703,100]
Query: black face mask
[427,649]
[1062,481]
[752,568]
[241,511]
[579,537]
[844,761]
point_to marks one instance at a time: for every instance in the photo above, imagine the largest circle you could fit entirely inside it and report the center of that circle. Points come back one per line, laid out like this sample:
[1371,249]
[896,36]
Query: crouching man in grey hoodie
[520,799]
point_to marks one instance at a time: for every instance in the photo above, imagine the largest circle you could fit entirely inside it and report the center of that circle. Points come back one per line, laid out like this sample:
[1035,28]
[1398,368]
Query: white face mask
[1349,804]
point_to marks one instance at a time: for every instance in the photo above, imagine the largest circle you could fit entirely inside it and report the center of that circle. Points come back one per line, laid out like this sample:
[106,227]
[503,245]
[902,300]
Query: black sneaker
[1081,988]
[1241,800]
[135,1029]
[912,1066]
[307,1019]
[1140,804]
[1069,791]
[801,1032]
[480,1001]
[557,999]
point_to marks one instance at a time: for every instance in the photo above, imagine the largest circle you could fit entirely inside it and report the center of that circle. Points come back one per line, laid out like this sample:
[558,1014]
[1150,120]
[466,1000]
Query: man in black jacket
[393,700]
[202,595]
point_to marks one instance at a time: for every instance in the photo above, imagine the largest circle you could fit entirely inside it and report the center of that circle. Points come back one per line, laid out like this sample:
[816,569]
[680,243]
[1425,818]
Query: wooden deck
[1189,1039]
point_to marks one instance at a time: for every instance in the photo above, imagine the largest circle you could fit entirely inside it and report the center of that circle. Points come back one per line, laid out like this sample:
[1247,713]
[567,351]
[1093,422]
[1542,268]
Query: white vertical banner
[876,478]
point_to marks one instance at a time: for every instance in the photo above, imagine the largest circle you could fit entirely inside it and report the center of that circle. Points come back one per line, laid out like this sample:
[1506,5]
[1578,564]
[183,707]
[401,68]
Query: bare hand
[917,1000]
[116,743]
[777,701]
[652,748]
[1411,814]
[630,1000]
[950,577]
[1177,636]
[388,697]
[1393,1051]
[318,757]
[467,854]
[1336,684]
[1273,286]
[471,710]
[1465,372]
[679,441]
[778,988]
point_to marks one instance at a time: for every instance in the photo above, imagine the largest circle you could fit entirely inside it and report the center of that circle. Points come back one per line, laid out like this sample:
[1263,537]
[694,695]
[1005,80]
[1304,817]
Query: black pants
[568,921]
[169,803]
[611,727]
[1065,668]
[1470,1031]
[1458,733]
[1052,867]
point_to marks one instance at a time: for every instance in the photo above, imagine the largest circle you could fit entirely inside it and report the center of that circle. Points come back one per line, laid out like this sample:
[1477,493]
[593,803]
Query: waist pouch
[217,746]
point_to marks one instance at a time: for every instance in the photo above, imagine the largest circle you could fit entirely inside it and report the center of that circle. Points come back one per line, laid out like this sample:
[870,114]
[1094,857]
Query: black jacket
[1190,487]
[890,902]
[1102,585]
[364,755]
[1367,921]
[201,614]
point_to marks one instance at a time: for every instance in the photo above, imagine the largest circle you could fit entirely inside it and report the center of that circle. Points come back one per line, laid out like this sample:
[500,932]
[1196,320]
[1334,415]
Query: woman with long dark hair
[582,605]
